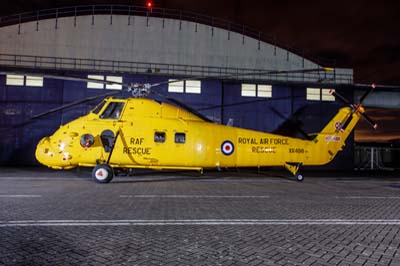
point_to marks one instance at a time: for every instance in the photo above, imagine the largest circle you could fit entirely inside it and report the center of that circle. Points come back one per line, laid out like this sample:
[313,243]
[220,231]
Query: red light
[149,4]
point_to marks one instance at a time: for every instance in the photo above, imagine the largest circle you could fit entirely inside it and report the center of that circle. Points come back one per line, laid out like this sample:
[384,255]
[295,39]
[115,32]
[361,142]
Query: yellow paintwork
[136,147]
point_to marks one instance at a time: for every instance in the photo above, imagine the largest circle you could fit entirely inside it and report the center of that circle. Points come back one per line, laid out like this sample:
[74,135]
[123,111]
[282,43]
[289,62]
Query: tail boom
[332,138]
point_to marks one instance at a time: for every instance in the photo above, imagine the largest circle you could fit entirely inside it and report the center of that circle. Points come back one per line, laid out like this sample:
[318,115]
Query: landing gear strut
[103,173]
[294,168]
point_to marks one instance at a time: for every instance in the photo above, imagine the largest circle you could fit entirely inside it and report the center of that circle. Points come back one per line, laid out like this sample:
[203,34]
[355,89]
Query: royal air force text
[259,145]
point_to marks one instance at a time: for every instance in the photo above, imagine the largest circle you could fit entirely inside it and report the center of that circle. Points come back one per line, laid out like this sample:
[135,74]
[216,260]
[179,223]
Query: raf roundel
[227,147]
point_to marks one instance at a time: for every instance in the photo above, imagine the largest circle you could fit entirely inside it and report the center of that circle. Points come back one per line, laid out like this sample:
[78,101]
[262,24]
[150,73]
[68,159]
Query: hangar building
[240,83]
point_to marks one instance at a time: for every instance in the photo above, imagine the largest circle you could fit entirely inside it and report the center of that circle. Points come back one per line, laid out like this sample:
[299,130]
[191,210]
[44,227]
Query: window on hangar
[34,81]
[317,94]
[20,80]
[95,85]
[184,86]
[256,90]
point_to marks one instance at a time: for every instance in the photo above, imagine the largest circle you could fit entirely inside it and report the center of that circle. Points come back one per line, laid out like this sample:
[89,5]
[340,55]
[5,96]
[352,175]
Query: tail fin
[342,124]
[332,138]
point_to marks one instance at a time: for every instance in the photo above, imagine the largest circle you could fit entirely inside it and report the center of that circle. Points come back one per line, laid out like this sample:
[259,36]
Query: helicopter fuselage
[143,133]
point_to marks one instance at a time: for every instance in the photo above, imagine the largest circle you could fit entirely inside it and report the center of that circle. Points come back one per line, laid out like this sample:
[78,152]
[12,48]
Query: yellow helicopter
[139,132]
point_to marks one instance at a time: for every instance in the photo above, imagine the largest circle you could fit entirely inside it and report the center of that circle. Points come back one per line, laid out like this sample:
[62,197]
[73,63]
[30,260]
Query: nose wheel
[103,173]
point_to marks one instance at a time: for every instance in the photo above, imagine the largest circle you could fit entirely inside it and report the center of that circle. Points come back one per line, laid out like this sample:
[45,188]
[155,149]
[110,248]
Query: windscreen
[97,109]
[112,111]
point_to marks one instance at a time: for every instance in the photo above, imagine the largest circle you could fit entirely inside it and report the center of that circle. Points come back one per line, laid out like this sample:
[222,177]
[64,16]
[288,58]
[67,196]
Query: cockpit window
[113,111]
[97,109]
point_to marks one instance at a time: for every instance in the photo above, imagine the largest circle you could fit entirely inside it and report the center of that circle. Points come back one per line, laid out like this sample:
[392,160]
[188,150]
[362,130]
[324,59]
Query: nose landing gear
[103,173]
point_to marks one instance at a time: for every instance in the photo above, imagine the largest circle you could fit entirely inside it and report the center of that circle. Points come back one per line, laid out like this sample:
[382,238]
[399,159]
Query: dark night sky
[359,34]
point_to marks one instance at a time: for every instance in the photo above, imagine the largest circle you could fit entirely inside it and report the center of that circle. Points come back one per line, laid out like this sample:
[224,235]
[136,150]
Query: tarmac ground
[232,218]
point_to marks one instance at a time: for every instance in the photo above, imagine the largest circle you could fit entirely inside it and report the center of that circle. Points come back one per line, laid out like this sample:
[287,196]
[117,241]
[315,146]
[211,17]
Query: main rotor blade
[249,102]
[16,125]
[266,72]
[54,110]
[273,72]
[108,82]
[181,104]
[69,78]
[146,87]
[68,105]
[362,85]
[289,122]
[190,109]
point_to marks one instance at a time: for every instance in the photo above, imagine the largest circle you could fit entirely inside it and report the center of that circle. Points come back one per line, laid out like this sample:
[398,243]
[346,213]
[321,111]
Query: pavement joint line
[20,196]
[39,178]
[192,196]
[28,223]
[244,197]
[368,197]
[204,196]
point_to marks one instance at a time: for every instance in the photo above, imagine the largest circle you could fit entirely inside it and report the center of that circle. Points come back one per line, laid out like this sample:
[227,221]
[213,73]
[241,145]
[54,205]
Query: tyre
[299,177]
[103,173]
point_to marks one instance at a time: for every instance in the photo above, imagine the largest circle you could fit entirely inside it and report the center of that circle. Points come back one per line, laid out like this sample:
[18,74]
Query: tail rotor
[357,108]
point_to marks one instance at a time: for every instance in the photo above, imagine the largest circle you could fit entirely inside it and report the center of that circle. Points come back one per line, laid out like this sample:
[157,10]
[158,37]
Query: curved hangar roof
[129,43]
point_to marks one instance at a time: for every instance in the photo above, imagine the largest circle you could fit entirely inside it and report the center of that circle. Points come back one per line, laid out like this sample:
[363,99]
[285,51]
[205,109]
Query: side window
[113,111]
[159,137]
[180,137]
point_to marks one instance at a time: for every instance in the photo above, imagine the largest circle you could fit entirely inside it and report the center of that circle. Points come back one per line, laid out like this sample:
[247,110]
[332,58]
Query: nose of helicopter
[44,153]
[52,155]
[47,155]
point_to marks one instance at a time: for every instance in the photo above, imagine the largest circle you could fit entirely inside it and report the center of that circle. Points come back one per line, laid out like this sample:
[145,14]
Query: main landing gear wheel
[299,177]
[103,173]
